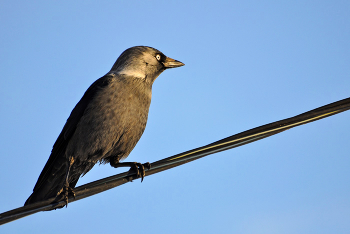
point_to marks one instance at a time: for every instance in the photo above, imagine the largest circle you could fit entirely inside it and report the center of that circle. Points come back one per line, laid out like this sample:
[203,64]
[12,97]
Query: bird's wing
[57,164]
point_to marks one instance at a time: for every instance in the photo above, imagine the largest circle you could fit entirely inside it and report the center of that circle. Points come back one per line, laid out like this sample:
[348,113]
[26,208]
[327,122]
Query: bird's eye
[158,57]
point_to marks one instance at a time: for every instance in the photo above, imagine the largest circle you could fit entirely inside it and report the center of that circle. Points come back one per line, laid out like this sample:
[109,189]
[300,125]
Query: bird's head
[143,62]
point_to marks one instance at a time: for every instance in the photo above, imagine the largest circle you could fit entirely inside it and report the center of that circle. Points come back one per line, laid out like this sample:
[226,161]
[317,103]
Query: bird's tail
[51,180]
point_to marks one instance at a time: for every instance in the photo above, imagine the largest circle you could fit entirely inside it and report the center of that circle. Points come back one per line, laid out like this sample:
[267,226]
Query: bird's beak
[170,63]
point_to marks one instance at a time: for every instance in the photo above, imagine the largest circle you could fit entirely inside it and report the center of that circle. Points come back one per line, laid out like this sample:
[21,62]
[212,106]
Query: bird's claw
[139,168]
[68,191]
[64,194]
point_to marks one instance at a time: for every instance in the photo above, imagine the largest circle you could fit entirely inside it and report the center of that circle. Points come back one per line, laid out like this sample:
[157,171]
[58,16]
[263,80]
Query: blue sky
[248,63]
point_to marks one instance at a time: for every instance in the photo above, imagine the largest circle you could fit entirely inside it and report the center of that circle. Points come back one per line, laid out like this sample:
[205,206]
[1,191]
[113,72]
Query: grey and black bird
[106,123]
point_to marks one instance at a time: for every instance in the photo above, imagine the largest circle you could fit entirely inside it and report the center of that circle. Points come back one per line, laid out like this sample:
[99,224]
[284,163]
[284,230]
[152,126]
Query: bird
[105,125]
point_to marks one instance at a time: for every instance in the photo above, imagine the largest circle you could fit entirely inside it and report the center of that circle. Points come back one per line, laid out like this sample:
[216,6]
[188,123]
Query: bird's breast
[112,123]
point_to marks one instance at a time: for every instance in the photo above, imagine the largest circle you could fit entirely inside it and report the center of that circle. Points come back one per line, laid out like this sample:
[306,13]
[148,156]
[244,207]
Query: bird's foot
[68,191]
[64,194]
[139,168]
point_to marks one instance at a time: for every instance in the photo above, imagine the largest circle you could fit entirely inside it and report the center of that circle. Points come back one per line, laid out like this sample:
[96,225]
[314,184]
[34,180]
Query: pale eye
[158,57]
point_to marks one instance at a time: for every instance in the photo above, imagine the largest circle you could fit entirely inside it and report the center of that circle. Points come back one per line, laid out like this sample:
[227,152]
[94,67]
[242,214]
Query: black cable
[233,141]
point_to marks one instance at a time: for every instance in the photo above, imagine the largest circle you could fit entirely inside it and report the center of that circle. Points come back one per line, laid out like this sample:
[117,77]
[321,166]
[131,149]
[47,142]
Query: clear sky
[248,63]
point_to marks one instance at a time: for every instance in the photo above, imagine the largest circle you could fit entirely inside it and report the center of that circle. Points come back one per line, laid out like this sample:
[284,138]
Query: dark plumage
[106,123]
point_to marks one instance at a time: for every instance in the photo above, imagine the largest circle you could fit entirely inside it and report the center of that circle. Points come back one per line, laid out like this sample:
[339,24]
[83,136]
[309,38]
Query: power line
[233,141]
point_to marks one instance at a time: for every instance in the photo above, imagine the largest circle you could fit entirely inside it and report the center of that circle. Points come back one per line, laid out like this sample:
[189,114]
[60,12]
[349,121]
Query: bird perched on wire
[106,123]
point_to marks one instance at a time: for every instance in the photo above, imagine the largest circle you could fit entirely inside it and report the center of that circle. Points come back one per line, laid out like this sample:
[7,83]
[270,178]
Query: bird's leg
[139,168]
[66,190]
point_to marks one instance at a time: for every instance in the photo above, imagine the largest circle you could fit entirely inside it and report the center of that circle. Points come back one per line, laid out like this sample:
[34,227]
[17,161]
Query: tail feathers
[50,182]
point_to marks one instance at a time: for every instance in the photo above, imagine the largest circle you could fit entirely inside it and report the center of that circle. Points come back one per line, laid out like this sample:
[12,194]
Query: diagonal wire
[233,141]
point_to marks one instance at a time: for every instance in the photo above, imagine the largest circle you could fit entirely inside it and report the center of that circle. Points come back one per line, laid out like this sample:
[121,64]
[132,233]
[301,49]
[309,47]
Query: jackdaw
[106,123]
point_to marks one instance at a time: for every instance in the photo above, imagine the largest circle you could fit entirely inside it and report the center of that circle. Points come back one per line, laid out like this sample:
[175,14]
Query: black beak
[170,63]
